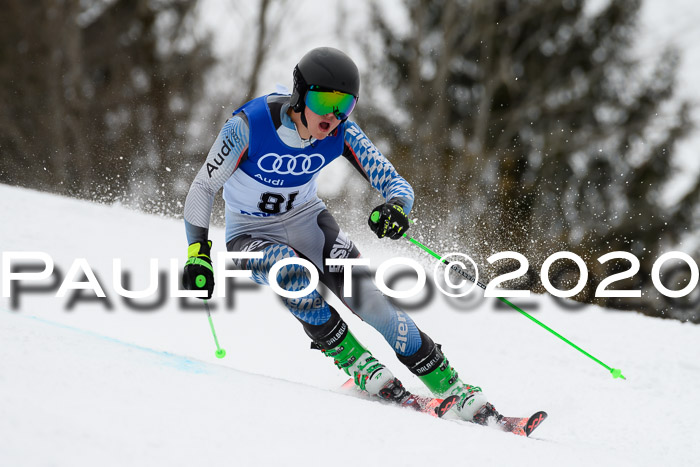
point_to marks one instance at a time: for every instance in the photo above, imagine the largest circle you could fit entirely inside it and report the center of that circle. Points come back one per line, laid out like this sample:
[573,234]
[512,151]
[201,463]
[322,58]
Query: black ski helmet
[325,67]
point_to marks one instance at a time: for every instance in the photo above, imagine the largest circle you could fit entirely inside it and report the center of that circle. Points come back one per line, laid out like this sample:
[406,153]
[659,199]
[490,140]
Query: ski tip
[534,421]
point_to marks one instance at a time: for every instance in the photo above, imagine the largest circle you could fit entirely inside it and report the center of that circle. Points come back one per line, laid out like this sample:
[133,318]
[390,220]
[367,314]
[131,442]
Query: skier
[267,158]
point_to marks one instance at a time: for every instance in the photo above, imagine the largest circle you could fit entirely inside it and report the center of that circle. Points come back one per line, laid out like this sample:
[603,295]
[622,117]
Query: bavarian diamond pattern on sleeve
[381,173]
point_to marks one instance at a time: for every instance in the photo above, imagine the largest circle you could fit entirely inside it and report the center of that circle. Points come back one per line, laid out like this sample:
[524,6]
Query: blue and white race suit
[269,176]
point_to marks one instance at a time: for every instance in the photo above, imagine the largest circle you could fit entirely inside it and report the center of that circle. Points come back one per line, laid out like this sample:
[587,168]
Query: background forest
[525,125]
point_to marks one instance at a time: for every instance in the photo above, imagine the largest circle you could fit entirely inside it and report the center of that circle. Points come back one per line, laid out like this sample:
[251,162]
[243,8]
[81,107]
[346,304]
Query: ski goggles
[323,102]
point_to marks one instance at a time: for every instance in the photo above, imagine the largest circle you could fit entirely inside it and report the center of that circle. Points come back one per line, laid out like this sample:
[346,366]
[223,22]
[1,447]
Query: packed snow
[84,384]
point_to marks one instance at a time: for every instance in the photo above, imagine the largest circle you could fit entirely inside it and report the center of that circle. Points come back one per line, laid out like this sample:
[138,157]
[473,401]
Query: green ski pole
[201,281]
[615,372]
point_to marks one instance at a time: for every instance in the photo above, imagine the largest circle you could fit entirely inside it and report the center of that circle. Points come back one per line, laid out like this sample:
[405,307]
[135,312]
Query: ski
[427,405]
[436,407]
[522,426]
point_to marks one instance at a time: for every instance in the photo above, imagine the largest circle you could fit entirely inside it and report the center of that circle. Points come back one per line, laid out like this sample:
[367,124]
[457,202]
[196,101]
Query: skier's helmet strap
[329,69]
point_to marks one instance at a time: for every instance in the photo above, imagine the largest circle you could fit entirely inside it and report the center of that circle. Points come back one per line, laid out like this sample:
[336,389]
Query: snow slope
[96,386]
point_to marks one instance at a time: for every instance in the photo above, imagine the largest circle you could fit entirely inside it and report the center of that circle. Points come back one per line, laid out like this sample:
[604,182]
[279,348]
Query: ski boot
[435,372]
[473,405]
[366,371]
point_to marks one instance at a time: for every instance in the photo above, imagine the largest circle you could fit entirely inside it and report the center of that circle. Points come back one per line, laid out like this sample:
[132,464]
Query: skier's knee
[292,278]
[260,267]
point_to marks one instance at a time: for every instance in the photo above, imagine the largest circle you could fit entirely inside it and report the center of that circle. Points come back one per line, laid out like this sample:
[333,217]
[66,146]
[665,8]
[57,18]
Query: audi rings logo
[301,164]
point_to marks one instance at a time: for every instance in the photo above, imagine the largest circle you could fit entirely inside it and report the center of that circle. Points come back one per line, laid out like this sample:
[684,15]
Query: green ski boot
[444,381]
[355,360]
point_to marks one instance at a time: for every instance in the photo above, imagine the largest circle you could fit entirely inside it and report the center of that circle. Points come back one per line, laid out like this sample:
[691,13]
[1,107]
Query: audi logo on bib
[286,164]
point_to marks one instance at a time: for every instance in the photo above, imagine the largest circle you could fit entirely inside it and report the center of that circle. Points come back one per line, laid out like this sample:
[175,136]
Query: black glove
[388,220]
[199,273]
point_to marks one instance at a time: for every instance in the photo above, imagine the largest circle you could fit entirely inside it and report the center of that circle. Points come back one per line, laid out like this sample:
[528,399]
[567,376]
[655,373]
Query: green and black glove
[199,273]
[388,220]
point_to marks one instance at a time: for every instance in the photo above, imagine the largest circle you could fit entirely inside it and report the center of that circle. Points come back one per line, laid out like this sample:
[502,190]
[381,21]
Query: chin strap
[303,119]
[296,103]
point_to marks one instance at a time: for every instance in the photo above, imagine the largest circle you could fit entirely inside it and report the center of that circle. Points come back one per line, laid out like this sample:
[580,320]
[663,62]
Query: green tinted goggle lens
[325,102]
